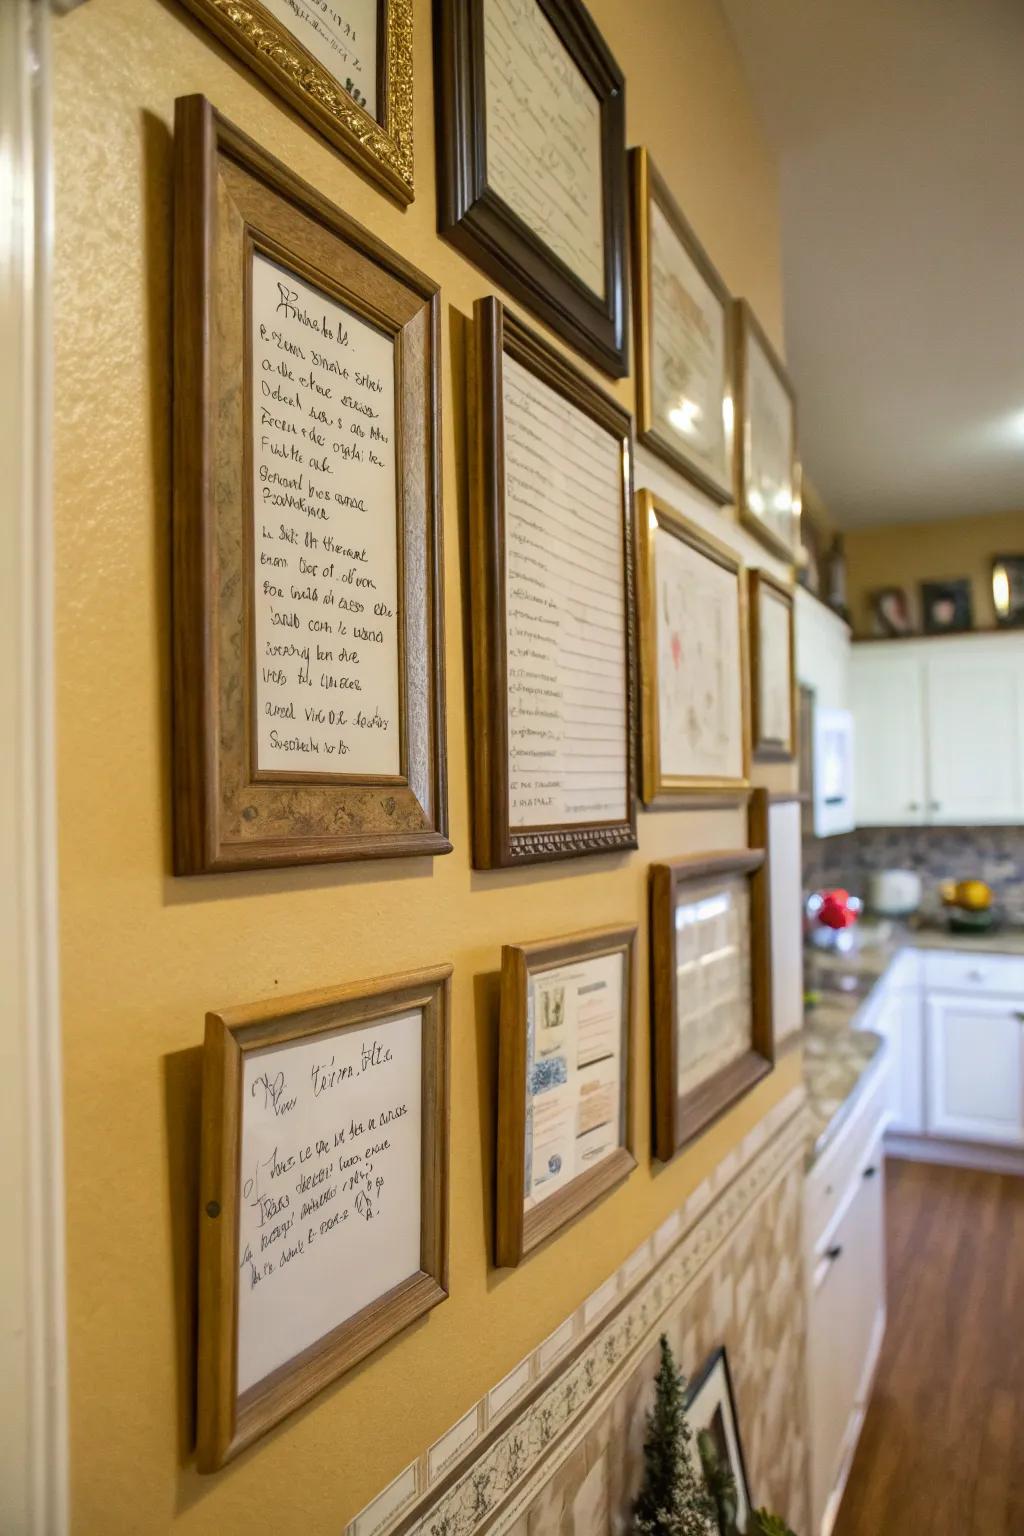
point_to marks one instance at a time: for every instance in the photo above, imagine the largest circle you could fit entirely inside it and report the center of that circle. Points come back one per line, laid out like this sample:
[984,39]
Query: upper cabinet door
[888,708]
[975,727]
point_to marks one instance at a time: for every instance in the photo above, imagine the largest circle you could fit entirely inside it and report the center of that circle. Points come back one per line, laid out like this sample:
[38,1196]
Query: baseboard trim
[955,1154]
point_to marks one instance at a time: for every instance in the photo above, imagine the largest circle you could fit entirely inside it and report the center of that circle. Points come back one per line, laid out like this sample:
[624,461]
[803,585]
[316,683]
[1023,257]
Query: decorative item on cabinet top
[711,990]
[767,465]
[308,682]
[346,68]
[683,324]
[774,710]
[553,605]
[532,162]
[565,1082]
[323,1193]
[693,642]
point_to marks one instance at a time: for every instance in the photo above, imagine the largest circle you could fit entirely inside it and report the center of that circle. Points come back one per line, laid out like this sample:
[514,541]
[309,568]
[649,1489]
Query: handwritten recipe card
[566,610]
[544,136]
[329,1184]
[574,1072]
[325,544]
[342,36]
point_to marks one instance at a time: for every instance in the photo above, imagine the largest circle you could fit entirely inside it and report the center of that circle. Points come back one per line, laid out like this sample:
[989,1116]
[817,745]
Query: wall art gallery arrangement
[618,650]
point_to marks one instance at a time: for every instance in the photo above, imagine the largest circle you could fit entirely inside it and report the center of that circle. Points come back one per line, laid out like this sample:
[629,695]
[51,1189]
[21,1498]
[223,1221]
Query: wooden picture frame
[679,1116]
[379,141]
[752,342]
[506,350]
[769,743]
[535,269]
[229,1420]
[650,192]
[519,1230]
[243,220]
[663,656]
[776,825]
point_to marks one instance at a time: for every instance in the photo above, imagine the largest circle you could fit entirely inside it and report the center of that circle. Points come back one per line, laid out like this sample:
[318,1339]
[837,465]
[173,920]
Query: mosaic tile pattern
[992,854]
[568,1463]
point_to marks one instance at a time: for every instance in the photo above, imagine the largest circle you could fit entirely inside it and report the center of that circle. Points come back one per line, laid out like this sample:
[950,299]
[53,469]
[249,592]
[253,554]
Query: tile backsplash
[992,854]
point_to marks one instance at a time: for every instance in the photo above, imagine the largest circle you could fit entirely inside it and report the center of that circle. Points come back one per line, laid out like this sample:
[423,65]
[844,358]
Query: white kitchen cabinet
[972,704]
[822,651]
[889,740]
[898,1020]
[939,731]
[975,1068]
[845,1270]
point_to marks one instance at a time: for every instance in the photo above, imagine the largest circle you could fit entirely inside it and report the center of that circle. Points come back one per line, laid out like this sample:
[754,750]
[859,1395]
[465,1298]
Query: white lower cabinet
[898,1020]
[975,1053]
[845,1276]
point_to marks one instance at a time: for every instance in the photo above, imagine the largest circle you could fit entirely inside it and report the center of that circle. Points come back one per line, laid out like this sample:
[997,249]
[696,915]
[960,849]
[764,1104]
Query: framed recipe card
[564,1135]
[553,610]
[532,162]
[346,67]
[693,644]
[710,965]
[775,826]
[683,328]
[772,668]
[324,1193]
[308,693]
[768,469]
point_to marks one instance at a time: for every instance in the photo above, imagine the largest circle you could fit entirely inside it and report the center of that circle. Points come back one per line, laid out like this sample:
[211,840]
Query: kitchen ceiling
[899,126]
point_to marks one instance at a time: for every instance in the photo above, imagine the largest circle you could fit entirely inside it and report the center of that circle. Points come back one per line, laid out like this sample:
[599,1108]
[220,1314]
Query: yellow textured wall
[143,954]
[905,554]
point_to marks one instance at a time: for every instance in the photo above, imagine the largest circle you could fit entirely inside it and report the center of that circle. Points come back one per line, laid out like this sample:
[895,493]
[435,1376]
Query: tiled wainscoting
[556,1448]
[992,854]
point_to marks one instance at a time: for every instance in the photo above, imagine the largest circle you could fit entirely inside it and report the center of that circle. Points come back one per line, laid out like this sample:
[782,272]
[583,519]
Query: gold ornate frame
[383,149]
[659,787]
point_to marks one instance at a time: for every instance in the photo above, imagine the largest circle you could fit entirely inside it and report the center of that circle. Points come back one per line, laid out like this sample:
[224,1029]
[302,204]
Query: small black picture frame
[710,1408]
[946,607]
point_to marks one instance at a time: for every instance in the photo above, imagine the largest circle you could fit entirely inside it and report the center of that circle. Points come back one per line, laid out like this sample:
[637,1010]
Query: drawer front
[828,1182]
[985,974]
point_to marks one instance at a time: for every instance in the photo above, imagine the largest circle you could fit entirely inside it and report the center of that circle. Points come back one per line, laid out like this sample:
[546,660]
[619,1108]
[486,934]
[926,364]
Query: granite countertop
[838,1058]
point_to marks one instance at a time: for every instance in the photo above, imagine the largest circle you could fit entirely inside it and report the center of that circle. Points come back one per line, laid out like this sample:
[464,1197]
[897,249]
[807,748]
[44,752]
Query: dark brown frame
[495,843]
[677,1120]
[747,325]
[226,815]
[381,146]
[481,224]
[227,1422]
[660,787]
[758,830]
[648,186]
[769,749]
[518,1232]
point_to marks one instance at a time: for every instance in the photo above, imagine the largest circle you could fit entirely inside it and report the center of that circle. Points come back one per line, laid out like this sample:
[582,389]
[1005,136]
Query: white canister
[894,892]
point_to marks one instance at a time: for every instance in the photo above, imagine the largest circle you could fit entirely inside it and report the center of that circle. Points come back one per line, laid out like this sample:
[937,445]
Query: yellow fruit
[974,895]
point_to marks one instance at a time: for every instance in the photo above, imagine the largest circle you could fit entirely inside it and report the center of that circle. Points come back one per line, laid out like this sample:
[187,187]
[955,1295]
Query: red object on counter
[835,910]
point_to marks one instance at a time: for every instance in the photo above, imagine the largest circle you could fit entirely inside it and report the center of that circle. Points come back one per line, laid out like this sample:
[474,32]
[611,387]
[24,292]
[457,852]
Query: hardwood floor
[942,1449]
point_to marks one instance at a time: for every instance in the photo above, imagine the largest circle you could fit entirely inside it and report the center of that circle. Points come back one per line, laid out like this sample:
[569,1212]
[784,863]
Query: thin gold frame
[657,785]
[384,148]
[647,186]
[745,326]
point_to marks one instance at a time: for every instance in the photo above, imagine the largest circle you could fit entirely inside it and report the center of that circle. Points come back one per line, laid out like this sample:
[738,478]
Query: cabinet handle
[834,1252]
[870,1171]
[934,805]
[913,805]
[975,975]
[1019,1015]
